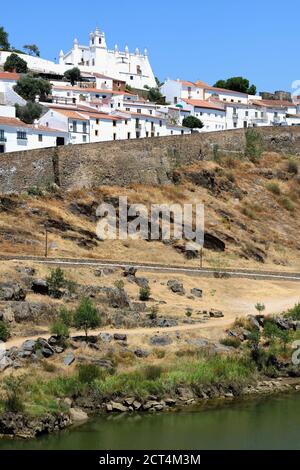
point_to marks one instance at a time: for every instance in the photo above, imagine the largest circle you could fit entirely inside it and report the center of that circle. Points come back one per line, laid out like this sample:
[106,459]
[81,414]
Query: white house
[211,114]
[15,136]
[131,67]
[69,121]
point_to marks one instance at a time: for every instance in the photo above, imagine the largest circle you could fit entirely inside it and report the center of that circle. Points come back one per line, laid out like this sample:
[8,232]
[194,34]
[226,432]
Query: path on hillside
[216,326]
[155,267]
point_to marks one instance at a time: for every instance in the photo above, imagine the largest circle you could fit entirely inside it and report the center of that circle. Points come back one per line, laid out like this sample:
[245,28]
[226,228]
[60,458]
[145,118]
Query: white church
[131,67]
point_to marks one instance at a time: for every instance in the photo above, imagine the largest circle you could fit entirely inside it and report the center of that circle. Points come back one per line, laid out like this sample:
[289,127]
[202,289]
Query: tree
[56,282]
[15,63]
[32,49]
[240,84]
[192,122]
[155,96]
[29,113]
[4,331]
[73,75]
[86,316]
[260,308]
[4,43]
[29,87]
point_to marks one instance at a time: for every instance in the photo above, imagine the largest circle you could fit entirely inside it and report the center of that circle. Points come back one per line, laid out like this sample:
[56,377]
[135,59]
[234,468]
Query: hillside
[252,208]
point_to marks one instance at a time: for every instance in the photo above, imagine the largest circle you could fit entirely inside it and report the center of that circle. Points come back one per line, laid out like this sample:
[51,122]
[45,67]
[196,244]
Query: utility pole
[201,258]
[46,243]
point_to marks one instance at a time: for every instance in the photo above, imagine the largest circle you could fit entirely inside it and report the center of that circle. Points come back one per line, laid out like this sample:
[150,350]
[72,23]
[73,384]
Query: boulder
[105,272]
[78,415]
[29,346]
[141,353]
[253,322]
[12,291]
[176,287]
[120,337]
[197,293]
[161,340]
[40,286]
[118,407]
[216,314]
[5,362]
[118,298]
[142,282]
[283,324]
[69,359]
[130,271]
[105,337]
[167,323]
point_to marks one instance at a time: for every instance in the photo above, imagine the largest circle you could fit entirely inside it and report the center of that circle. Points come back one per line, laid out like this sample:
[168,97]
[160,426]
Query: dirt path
[214,328]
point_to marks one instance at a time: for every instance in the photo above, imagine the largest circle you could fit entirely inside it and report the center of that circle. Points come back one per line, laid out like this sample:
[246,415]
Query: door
[2,148]
[60,141]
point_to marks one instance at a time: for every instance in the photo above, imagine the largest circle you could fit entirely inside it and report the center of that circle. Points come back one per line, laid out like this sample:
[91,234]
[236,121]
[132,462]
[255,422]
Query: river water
[271,423]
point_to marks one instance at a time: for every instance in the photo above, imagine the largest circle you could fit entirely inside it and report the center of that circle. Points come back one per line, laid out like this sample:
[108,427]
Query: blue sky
[193,40]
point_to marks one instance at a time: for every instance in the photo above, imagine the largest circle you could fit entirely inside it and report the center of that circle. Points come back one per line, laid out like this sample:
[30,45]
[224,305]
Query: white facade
[16,136]
[133,68]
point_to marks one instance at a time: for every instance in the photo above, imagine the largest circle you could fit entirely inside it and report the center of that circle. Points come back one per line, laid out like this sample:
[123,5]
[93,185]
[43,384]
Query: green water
[266,424]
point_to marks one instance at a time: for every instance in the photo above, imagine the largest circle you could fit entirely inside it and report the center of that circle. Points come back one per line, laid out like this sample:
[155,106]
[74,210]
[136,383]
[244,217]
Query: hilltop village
[94,94]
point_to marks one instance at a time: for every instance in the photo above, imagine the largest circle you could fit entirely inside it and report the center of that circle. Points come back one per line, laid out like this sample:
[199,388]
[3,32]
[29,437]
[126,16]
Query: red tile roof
[9,76]
[15,122]
[204,104]
[274,103]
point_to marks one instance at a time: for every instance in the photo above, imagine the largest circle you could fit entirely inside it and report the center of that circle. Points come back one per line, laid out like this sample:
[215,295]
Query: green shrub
[249,212]
[56,282]
[189,312]
[145,293]
[231,342]
[14,388]
[260,307]
[119,284]
[4,331]
[288,204]
[154,310]
[58,328]
[254,145]
[35,191]
[294,313]
[86,316]
[274,188]
[88,373]
[66,317]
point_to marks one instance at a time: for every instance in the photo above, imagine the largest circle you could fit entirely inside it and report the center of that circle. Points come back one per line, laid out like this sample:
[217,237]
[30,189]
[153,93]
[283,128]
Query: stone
[142,282]
[176,287]
[68,402]
[120,337]
[130,271]
[40,286]
[253,322]
[137,405]
[283,324]
[216,314]
[5,362]
[78,415]
[12,291]
[47,352]
[118,407]
[161,340]
[118,298]
[167,323]
[141,353]
[197,293]
[170,402]
[104,272]
[69,359]
[199,342]
[27,270]
[29,345]
[105,337]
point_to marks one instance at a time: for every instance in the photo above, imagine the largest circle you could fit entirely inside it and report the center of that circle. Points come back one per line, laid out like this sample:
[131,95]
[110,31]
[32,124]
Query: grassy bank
[192,371]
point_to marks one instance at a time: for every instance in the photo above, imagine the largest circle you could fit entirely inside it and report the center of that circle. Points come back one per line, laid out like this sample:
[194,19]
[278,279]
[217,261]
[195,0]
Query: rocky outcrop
[11,290]
[26,427]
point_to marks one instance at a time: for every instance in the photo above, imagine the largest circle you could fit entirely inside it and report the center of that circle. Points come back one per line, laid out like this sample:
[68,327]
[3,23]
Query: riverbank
[57,404]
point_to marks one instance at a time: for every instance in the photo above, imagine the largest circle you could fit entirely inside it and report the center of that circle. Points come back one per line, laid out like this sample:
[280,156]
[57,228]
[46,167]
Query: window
[126,122]
[40,138]
[21,135]
[160,123]
[97,122]
[128,135]
[131,77]
[151,112]
[158,134]
[74,126]
[84,138]
[115,136]
[96,133]
[2,138]
[139,111]
[127,109]
[147,134]
[84,128]
[247,113]
[114,123]
[172,132]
